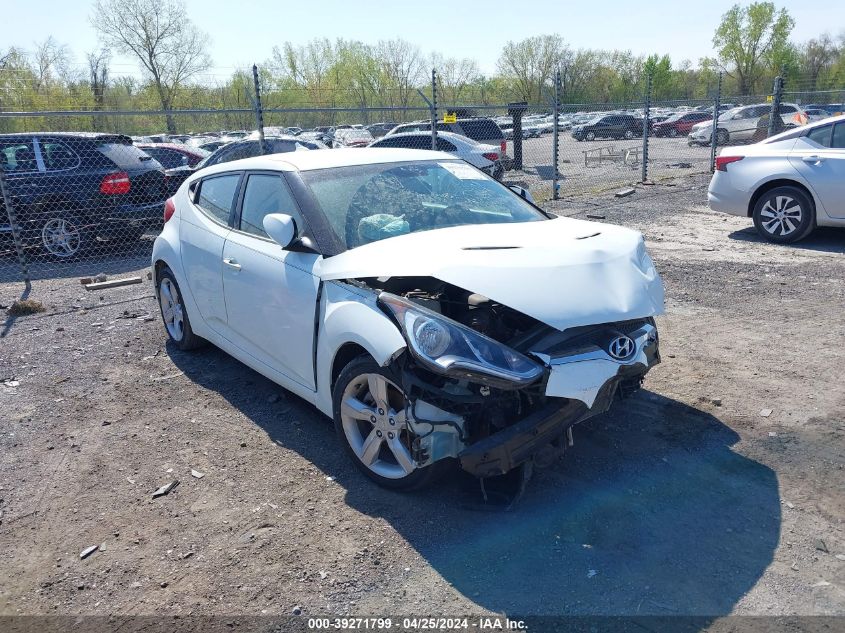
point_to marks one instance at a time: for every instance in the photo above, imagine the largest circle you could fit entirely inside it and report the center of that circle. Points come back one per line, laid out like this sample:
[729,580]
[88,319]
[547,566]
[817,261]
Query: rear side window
[17,156]
[216,196]
[820,135]
[57,156]
[838,136]
[126,157]
[481,129]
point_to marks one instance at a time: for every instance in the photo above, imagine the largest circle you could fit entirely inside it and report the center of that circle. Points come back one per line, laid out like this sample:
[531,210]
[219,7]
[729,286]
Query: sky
[243,33]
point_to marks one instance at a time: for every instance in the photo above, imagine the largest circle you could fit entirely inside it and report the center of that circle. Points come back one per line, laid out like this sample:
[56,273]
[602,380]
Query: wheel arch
[343,356]
[773,184]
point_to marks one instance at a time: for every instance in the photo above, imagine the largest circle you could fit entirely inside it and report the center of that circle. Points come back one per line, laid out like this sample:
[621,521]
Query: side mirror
[522,193]
[280,227]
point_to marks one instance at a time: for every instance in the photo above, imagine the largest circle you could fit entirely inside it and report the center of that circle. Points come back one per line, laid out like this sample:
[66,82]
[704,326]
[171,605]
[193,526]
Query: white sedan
[788,184]
[435,314]
[488,158]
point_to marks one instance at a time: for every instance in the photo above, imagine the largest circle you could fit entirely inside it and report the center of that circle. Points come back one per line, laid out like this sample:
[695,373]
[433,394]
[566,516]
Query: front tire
[174,315]
[673,132]
[722,137]
[629,134]
[784,215]
[370,420]
[590,136]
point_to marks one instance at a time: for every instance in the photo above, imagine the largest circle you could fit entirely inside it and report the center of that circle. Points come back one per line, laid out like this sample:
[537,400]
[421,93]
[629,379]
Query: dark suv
[249,148]
[609,126]
[70,191]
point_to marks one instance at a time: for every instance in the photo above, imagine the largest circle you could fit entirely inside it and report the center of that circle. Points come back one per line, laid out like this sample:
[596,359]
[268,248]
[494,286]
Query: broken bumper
[507,449]
[579,386]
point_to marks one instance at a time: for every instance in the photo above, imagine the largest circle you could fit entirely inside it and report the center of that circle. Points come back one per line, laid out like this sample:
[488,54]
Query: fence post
[775,124]
[259,113]
[646,119]
[16,235]
[433,107]
[556,139]
[717,101]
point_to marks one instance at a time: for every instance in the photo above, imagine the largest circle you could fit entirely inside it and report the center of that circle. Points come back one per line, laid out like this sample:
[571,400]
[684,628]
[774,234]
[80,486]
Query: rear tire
[784,215]
[590,136]
[63,235]
[174,315]
[629,134]
[722,137]
[363,427]
[673,132]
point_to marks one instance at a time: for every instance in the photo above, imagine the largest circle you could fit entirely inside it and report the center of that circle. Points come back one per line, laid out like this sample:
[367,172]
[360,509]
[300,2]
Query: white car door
[820,158]
[203,231]
[271,293]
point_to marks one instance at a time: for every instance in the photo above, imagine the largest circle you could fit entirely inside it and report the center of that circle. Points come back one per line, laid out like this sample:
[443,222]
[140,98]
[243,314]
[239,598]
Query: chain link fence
[94,198]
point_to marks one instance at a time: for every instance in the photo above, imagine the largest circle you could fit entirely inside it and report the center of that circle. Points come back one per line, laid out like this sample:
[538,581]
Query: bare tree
[52,61]
[98,77]
[170,49]
[818,55]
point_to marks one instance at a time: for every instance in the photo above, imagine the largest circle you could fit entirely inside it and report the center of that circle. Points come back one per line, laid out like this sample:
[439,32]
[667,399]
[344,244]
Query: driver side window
[265,194]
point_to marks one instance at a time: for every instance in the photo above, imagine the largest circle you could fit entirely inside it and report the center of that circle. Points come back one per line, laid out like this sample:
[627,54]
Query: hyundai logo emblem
[621,347]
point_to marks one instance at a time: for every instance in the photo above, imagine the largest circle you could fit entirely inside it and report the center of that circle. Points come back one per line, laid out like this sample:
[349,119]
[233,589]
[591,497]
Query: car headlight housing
[446,347]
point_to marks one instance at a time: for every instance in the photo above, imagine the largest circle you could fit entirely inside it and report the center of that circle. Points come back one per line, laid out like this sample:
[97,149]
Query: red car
[680,124]
[177,159]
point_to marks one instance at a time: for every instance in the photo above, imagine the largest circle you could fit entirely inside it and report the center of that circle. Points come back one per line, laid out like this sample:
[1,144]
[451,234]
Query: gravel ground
[689,498]
[669,158]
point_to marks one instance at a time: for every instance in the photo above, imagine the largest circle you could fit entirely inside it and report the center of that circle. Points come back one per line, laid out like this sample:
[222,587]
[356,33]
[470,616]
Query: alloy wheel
[372,413]
[781,215]
[171,309]
[61,237]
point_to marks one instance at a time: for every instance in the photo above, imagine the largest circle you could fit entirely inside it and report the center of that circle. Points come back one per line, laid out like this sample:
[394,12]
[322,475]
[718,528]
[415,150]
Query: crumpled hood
[563,272]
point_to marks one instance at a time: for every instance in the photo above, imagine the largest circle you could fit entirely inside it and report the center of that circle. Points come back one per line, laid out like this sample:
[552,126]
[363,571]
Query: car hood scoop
[547,270]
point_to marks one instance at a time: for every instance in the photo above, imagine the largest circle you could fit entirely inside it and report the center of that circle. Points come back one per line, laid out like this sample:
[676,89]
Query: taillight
[491,156]
[723,161]
[116,183]
[169,209]
[504,147]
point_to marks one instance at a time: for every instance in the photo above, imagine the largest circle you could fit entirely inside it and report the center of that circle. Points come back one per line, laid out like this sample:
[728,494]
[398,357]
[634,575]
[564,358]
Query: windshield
[367,203]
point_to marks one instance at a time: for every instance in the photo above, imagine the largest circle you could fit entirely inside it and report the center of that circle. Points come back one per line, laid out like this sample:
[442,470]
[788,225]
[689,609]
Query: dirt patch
[684,500]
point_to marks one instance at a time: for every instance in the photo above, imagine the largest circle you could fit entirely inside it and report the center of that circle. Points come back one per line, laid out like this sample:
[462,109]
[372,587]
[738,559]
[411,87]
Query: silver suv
[746,123]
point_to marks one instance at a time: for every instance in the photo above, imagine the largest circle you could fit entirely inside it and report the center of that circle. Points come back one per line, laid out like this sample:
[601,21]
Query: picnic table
[607,153]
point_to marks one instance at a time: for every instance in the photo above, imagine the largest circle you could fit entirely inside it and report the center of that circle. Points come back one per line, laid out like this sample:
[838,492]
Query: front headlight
[447,347]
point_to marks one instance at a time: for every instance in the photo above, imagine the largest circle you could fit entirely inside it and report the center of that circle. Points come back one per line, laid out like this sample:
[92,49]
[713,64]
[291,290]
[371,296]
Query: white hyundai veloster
[436,315]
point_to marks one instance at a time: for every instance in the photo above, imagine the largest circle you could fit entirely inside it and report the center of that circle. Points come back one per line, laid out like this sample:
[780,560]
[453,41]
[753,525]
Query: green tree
[750,40]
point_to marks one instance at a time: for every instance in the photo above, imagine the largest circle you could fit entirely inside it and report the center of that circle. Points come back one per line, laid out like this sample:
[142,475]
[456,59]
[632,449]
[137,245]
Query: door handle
[232,263]
[813,159]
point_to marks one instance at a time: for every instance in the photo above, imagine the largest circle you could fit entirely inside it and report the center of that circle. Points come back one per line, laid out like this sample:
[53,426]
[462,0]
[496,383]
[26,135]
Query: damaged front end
[496,388]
